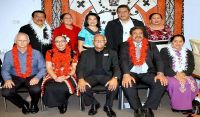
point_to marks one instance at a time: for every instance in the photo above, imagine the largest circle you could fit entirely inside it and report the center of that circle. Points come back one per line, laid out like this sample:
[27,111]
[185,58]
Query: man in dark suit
[98,66]
[141,62]
[117,30]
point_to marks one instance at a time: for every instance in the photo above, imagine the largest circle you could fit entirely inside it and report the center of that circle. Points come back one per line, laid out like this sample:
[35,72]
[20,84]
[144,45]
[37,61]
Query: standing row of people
[139,61]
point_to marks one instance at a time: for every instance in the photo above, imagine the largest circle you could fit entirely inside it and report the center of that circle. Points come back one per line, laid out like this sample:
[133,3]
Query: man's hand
[34,81]
[162,78]
[82,85]
[112,84]
[127,80]
[8,84]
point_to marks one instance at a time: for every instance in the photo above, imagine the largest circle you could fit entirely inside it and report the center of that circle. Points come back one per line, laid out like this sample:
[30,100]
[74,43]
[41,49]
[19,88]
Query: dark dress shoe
[25,108]
[34,109]
[62,108]
[109,111]
[93,109]
[148,112]
[138,113]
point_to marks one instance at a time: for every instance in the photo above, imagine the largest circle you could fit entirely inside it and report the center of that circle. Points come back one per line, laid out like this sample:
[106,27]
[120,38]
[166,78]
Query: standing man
[38,31]
[23,66]
[141,62]
[98,66]
[117,30]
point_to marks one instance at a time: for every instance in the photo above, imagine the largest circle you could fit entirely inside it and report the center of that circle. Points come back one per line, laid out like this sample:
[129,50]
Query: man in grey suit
[98,66]
[140,61]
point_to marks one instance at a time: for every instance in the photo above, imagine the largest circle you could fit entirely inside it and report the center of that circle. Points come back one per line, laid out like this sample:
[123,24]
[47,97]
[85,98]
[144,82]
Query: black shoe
[34,109]
[93,109]
[25,108]
[138,113]
[148,112]
[109,111]
[62,108]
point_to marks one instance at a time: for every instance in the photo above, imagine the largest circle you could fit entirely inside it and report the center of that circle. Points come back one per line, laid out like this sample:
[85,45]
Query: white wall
[14,14]
[191,20]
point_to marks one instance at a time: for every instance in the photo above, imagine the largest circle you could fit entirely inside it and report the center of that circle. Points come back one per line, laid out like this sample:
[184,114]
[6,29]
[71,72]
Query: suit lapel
[105,58]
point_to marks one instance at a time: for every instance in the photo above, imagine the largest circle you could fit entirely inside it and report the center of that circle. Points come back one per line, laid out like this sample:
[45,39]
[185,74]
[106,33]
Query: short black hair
[92,14]
[38,11]
[63,15]
[123,6]
[150,16]
[136,27]
[178,35]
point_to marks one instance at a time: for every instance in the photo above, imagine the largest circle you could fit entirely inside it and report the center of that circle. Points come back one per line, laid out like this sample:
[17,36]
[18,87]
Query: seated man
[141,62]
[23,66]
[98,66]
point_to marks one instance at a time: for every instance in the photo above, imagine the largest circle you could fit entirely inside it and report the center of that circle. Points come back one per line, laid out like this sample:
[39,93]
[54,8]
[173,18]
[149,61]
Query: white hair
[21,33]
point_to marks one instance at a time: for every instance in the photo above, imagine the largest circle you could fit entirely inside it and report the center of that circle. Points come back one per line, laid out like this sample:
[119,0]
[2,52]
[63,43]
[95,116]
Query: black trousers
[95,80]
[15,98]
[155,95]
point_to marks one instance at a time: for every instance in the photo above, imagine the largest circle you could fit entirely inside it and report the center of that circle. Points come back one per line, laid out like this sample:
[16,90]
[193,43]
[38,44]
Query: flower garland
[28,62]
[62,61]
[179,63]
[143,51]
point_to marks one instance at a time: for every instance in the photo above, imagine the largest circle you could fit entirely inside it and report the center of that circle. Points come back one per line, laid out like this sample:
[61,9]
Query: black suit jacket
[114,33]
[167,59]
[87,63]
[153,59]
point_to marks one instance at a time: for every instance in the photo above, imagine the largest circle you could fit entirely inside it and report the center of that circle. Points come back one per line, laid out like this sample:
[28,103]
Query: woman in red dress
[67,28]
[60,82]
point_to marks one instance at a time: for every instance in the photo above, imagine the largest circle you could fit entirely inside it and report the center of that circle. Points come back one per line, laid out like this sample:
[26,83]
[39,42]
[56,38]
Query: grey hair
[104,37]
[21,33]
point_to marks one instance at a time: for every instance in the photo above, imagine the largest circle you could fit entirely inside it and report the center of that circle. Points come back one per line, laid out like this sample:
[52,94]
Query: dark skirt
[55,94]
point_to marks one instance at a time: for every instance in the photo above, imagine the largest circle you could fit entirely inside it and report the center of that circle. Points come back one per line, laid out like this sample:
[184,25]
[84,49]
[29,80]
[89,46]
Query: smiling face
[39,18]
[22,40]
[123,14]
[67,19]
[99,42]
[177,43]
[60,43]
[137,35]
[92,20]
[156,19]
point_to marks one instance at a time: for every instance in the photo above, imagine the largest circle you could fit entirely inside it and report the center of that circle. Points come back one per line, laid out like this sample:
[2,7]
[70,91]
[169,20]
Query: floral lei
[62,61]
[179,63]
[143,51]
[28,62]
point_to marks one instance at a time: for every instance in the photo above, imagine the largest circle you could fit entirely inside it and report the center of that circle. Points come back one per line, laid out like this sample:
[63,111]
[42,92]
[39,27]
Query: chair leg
[82,106]
[5,104]
[120,97]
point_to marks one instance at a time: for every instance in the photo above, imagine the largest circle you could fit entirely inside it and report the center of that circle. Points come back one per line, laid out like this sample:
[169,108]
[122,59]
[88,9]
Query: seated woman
[157,31]
[86,35]
[179,65]
[59,82]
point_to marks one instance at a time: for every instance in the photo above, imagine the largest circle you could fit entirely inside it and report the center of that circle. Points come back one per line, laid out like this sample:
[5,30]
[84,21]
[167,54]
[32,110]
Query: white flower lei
[180,63]
[40,34]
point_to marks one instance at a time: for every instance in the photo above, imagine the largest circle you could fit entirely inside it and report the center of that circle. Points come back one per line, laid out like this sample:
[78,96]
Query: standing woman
[86,35]
[179,65]
[157,30]
[67,28]
[59,83]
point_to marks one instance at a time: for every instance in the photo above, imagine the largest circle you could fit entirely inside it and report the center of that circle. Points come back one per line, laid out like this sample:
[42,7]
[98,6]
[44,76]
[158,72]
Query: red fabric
[72,34]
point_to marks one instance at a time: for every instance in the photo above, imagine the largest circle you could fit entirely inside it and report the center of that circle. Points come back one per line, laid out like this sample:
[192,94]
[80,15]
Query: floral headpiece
[66,38]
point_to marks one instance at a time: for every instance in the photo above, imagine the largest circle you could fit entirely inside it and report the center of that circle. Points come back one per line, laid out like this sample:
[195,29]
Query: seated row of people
[139,60]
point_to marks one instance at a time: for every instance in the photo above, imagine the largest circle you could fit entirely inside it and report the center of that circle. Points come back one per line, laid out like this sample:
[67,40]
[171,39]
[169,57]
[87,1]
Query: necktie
[137,50]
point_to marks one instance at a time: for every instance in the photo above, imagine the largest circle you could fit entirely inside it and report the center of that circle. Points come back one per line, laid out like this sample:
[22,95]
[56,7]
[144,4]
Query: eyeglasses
[99,41]
[62,41]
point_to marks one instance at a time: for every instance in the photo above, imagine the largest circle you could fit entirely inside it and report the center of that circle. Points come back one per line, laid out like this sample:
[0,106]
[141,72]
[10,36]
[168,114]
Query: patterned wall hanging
[171,10]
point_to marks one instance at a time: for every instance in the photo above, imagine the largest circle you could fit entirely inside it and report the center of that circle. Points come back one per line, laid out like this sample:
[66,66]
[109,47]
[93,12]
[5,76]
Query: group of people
[77,60]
